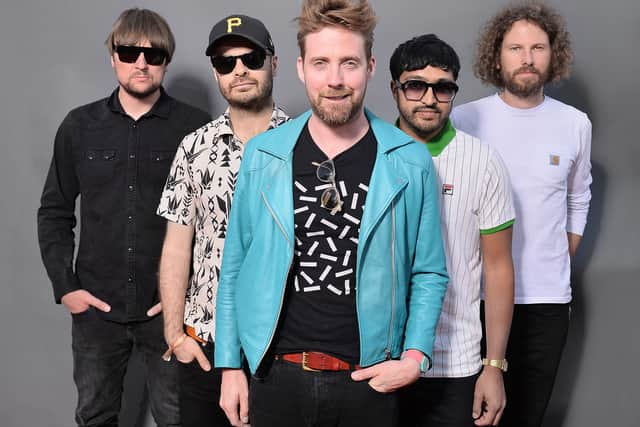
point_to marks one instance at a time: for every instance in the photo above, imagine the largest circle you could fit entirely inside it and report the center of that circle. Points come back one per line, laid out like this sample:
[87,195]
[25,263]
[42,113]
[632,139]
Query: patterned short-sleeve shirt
[198,192]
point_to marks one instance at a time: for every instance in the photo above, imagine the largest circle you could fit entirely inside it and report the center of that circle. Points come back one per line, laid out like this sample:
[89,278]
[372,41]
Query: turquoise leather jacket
[401,275]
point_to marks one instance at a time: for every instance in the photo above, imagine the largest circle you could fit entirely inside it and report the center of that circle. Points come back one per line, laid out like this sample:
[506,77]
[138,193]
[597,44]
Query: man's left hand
[389,376]
[489,398]
[154,310]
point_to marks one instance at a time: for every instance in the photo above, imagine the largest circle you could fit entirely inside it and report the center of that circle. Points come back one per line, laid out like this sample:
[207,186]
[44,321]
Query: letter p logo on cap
[233,22]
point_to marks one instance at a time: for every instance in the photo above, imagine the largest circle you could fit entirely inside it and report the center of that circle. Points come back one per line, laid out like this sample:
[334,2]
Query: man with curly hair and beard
[546,146]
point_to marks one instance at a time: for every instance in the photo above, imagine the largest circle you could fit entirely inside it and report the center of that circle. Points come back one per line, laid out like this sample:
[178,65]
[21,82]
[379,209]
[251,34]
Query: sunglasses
[152,55]
[414,90]
[330,198]
[253,60]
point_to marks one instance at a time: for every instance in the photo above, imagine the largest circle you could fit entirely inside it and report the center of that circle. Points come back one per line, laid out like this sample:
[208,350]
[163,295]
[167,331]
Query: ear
[394,90]
[371,67]
[274,65]
[300,67]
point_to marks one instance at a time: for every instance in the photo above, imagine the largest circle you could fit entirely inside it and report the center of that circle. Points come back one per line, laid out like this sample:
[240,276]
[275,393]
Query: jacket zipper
[387,351]
[273,331]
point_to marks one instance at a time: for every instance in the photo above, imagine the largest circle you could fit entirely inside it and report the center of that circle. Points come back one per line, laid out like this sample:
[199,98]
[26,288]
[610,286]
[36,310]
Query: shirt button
[135,125]
[131,188]
[132,156]
[130,280]
[129,249]
[130,217]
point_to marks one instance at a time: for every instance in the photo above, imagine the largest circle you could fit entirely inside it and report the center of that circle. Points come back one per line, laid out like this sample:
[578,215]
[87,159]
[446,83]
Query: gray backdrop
[53,59]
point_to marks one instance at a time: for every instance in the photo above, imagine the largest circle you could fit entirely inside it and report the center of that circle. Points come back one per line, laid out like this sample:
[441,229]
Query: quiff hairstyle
[353,15]
[490,41]
[136,25]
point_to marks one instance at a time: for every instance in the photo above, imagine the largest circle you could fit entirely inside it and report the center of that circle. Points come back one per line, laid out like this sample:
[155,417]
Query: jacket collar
[387,136]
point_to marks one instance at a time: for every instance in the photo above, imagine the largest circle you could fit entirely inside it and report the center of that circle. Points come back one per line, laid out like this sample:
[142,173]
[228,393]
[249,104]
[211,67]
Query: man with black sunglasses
[115,154]
[477,214]
[333,272]
[197,199]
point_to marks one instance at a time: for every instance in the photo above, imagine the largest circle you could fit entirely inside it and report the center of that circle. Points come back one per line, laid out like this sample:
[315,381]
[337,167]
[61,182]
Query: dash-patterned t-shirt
[320,306]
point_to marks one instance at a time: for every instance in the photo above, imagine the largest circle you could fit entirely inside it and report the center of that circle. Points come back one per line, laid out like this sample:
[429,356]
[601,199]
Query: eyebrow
[441,80]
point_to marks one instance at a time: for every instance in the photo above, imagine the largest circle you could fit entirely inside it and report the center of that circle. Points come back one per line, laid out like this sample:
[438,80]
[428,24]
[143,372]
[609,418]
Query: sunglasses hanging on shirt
[130,54]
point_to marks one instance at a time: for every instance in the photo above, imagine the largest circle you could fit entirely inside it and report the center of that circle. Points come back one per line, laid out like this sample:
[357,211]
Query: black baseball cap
[242,26]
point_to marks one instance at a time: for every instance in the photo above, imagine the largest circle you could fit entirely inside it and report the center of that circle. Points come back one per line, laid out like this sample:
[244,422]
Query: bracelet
[501,364]
[172,347]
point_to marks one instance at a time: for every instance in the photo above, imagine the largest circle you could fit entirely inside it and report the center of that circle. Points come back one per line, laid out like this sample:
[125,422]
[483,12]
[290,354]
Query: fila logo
[447,189]
[554,159]
[233,22]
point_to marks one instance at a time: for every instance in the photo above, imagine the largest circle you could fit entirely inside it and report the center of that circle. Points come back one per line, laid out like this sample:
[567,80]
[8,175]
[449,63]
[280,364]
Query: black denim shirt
[118,166]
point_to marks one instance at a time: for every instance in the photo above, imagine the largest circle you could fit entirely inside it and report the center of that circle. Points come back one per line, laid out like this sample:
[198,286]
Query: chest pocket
[100,164]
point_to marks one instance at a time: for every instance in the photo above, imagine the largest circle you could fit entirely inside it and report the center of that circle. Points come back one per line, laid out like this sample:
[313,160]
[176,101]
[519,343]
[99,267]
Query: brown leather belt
[316,362]
[190,330]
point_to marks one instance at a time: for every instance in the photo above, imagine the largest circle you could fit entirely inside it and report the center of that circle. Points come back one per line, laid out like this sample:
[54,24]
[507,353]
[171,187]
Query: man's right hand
[234,397]
[79,301]
[189,350]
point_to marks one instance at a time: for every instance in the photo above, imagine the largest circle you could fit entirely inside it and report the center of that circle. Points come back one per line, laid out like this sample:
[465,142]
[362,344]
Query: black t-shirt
[319,313]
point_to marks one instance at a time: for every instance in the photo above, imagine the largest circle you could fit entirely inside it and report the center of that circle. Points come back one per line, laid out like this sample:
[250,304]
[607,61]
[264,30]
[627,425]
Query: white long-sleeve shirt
[547,150]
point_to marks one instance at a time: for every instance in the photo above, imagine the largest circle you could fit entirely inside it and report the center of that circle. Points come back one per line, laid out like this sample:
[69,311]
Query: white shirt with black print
[198,192]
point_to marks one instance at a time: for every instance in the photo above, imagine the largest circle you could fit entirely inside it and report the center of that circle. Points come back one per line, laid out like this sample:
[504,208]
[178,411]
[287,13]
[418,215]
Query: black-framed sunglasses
[152,55]
[330,198]
[414,90]
[253,60]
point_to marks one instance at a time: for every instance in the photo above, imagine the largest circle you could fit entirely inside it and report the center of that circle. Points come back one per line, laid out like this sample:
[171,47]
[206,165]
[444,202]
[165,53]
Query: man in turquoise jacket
[334,270]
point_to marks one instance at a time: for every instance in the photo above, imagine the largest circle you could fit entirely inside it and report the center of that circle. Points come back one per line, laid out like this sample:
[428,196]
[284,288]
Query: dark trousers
[538,335]
[289,396]
[438,402]
[101,351]
[200,394]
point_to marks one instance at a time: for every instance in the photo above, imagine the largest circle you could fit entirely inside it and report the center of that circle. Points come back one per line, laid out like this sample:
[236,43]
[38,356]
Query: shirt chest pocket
[100,164]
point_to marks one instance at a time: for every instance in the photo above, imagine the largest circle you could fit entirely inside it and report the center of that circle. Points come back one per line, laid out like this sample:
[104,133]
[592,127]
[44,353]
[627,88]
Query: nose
[429,98]
[335,77]
[239,69]
[141,62]
[527,57]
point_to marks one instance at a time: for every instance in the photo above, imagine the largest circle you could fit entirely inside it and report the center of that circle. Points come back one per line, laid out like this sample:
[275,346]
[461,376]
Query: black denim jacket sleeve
[56,216]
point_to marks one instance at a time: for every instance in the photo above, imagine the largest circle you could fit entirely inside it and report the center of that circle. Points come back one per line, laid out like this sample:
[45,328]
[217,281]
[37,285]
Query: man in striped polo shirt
[477,213]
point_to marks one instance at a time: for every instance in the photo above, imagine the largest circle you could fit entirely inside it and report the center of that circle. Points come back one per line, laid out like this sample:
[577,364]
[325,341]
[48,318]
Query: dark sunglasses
[253,60]
[130,54]
[414,90]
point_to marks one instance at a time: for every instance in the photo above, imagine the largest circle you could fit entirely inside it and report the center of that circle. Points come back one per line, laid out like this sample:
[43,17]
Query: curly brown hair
[490,41]
[353,15]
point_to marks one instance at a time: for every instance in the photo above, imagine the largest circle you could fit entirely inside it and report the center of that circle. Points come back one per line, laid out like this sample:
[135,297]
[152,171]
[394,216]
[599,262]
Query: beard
[143,93]
[424,129]
[252,100]
[337,115]
[525,88]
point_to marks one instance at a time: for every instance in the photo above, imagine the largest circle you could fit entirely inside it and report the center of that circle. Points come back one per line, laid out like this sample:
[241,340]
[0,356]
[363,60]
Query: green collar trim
[440,141]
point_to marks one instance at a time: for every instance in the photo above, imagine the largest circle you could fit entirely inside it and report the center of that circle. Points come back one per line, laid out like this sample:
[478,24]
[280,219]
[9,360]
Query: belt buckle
[304,363]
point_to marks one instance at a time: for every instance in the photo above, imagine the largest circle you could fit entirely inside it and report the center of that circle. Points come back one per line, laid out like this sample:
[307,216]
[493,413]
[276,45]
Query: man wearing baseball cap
[197,200]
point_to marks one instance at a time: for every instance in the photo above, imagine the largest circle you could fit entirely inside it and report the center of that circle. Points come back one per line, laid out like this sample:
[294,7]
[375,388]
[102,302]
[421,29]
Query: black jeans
[101,351]
[200,394]
[438,402]
[537,338]
[289,396]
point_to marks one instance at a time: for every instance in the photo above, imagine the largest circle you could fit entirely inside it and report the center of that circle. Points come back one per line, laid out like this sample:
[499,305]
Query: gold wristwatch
[501,364]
